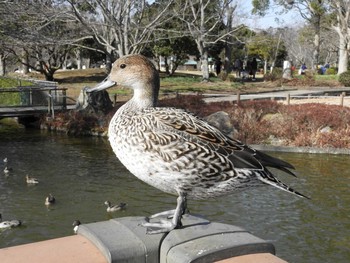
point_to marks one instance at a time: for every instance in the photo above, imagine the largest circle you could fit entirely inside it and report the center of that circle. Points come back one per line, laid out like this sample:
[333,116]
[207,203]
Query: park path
[279,94]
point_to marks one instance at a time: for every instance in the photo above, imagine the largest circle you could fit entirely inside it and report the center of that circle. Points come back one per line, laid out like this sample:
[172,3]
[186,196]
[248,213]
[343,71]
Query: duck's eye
[122,66]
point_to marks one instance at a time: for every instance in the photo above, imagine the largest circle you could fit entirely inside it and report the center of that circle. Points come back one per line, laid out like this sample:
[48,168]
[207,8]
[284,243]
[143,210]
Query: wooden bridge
[44,97]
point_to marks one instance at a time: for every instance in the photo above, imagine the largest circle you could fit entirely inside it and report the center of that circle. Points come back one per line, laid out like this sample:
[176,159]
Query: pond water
[82,173]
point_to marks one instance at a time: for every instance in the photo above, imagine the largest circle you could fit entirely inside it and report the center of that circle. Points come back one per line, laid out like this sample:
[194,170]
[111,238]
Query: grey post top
[199,240]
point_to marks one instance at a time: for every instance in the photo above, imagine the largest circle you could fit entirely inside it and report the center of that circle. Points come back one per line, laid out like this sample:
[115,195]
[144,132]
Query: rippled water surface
[82,173]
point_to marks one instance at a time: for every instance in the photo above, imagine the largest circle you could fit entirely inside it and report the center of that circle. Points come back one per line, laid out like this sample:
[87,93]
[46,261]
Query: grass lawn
[11,98]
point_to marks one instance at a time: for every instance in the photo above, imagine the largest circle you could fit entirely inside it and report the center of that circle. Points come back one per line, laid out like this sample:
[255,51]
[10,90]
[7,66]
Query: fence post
[238,98]
[49,103]
[342,95]
[114,100]
[64,100]
[30,97]
[288,99]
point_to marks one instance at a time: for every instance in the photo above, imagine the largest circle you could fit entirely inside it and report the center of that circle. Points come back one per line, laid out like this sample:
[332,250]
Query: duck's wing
[200,131]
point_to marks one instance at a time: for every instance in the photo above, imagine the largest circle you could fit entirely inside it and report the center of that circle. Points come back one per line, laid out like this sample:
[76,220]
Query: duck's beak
[105,84]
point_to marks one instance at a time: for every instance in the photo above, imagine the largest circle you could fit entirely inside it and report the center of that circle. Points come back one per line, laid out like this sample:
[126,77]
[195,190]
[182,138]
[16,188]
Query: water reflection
[82,173]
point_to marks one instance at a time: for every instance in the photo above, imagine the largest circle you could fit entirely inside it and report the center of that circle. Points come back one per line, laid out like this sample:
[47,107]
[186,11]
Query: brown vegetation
[255,122]
[269,122]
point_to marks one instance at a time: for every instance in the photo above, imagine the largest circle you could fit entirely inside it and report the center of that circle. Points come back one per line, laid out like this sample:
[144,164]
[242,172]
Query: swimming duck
[76,225]
[9,223]
[177,152]
[114,208]
[31,180]
[50,200]
[7,170]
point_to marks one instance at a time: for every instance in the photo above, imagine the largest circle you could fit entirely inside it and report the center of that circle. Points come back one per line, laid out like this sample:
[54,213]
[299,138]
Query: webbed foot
[166,225]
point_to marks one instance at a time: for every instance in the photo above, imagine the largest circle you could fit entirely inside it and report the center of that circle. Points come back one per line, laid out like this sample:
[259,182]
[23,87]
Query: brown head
[136,72]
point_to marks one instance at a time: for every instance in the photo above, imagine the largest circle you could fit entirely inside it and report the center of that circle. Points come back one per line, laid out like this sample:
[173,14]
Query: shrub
[212,75]
[344,78]
[331,71]
[231,78]
[276,74]
[223,75]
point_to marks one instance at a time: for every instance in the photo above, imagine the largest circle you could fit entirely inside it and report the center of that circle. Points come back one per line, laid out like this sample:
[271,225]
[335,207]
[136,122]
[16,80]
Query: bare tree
[342,26]
[229,38]
[300,50]
[311,11]
[204,20]
[39,33]
[121,27]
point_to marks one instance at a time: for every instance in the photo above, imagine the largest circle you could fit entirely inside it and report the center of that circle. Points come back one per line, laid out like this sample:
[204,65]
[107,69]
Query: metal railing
[35,97]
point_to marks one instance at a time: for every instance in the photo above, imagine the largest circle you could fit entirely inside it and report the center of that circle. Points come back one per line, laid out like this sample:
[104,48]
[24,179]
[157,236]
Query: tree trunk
[25,62]
[2,65]
[317,42]
[108,62]
[78,57]
[166,65]
[343,55]
[204,65]
[228,44]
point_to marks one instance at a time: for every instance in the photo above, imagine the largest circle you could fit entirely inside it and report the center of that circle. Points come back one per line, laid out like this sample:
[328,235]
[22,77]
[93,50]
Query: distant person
[253,67]
[238,67]
[248,68]
[218,65]
[302,69]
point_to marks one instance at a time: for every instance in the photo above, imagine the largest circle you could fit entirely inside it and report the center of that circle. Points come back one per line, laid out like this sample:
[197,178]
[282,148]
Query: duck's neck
[145,96]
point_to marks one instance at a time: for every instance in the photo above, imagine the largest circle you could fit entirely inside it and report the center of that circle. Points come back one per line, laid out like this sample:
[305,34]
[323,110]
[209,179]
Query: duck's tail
[268,178]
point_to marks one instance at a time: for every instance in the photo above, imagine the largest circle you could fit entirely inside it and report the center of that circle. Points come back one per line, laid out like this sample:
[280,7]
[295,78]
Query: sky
[270,19]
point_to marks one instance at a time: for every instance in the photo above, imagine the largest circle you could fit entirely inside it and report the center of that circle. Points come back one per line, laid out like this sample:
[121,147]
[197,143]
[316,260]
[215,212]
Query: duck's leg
[167,214]
[164,226]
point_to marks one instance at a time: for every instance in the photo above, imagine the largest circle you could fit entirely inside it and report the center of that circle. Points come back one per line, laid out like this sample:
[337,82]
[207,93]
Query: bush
[223,75]
[212,75]
[331,71]
[344,78]
[231,78]
[276,74]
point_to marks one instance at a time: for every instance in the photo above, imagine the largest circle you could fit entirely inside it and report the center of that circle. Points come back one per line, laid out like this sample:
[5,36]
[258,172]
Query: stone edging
[300,149]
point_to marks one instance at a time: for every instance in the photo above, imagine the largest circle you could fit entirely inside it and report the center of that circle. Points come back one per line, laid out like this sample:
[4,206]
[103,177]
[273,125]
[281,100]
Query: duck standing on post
[175,151]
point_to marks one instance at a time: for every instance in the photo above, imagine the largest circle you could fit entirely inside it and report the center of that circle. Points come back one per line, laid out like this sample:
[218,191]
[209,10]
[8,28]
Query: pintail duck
[76,225]
[50,200]
[177,152]
[31,180]
[6,169]
[9,223]
[114,208]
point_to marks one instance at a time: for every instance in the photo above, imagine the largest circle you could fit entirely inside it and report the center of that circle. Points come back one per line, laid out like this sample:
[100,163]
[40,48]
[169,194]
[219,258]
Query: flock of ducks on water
[49,200]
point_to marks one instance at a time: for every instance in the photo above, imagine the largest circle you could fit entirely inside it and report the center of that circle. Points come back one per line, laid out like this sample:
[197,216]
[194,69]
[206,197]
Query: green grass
[326,77]
[12,99]
[10,125]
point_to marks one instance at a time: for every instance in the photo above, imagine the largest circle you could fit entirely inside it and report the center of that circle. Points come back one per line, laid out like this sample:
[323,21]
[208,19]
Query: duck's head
[136,72]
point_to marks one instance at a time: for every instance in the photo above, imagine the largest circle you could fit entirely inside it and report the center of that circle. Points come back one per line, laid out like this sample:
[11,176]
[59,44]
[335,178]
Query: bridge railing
[34,96]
